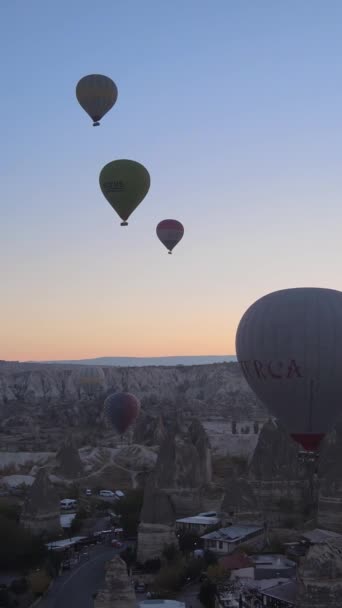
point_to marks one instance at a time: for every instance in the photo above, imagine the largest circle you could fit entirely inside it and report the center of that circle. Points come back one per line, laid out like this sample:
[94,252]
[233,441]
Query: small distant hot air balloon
[122,409]
[289,346]
[96,94]
[170,232]
[124,183]
[92,376]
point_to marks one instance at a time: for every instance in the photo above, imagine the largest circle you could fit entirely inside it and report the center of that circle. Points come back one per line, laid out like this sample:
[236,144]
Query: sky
[235,110]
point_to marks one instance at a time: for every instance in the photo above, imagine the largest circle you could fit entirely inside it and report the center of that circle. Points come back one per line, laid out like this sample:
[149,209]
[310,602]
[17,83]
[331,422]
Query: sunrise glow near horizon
[234,109]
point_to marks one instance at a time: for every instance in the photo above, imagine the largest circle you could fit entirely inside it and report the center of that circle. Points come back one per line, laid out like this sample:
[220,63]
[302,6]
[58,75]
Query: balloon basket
[96,124]
[170,252]
[124,224]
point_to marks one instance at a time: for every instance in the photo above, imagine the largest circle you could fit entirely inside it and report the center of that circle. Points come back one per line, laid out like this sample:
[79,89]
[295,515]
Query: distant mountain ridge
[146,361]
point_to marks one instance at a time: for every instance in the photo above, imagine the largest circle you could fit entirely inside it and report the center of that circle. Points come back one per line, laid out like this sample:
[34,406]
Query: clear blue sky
[235,109]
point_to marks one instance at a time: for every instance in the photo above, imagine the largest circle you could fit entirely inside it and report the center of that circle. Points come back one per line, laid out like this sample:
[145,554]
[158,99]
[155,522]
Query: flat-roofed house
[226,540]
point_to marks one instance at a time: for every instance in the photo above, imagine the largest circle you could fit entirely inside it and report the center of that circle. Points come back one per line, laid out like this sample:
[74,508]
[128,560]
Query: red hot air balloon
[289,346]
[170,232]
[121,409]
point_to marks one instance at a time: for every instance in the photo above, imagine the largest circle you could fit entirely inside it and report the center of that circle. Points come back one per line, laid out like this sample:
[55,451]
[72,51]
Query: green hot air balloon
[125,184]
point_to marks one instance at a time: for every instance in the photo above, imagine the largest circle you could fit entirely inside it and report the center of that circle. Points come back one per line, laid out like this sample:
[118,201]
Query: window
[220,544]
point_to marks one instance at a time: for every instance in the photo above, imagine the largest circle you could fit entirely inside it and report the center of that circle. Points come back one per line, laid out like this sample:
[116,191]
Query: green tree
[170,578]
[188,541]
[129,508]
[18,547]
[170,552]
[207,594]
[210,558]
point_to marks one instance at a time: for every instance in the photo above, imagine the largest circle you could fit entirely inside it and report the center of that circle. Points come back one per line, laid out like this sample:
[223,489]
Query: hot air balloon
[96,94]
[92,376]
[170,232]
[289,347]
[125,184]
[121,409]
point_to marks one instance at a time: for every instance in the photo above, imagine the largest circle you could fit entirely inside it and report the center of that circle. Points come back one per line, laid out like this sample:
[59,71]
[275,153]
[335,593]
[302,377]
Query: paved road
[74,589]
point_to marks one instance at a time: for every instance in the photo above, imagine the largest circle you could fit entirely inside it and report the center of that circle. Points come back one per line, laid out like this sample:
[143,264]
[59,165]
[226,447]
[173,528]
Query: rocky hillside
[39,404]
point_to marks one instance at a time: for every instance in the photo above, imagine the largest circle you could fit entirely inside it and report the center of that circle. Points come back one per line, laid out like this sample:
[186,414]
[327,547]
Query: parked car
[117,544]
[107,493]
[88,492]
[140,587]
[68,503]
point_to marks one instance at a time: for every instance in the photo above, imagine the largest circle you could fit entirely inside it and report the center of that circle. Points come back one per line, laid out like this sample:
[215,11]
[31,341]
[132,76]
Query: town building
[198,524]
[161,604]
[226,540]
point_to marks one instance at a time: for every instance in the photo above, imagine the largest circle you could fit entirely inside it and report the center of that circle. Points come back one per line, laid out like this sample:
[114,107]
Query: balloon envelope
[289,346]
[125,184]
[121,409]
[96,94]
[170,232]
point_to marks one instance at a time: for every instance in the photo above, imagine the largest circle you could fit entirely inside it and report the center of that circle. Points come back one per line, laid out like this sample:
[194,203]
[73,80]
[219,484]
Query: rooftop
[232,533]
[236,561]
[65,543]
[199,519]
[318,536]
[285,591]
[162,603]
[272,560]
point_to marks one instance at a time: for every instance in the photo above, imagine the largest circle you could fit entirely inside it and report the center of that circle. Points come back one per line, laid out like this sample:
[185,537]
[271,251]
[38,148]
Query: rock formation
[157,527]
[330,474]
[118,591]
[39,404]
[276,474]
[320,578]
[69,464]
[240,503]
[41,510]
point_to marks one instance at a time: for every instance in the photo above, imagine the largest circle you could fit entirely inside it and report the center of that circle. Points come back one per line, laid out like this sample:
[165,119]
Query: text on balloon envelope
[271,370]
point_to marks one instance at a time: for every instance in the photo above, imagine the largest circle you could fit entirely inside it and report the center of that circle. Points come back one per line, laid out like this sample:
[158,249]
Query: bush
[18,547]
[194,568]
[207,594]
[217,573]
[19,586]
[152,565]
[210,558]
[39,582]
[170,552]
[188,541]
[170,578]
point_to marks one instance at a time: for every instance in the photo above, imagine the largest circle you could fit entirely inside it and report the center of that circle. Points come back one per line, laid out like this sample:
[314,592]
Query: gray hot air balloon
[289,346]
[96,94]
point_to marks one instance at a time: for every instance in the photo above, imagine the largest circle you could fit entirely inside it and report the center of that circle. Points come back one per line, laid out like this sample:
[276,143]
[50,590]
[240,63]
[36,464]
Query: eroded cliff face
[330,474]
[320,578]
[118,591]
[39,404]
[41,508]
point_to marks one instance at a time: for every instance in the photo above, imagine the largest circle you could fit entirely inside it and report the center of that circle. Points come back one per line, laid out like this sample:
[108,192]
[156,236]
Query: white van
[68,503]
[107,493]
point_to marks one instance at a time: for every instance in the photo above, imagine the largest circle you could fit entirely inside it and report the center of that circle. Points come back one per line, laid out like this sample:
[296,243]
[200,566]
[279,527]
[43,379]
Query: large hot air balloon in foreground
[125,184]
[96,94]
[289,346]
[121,409]
[170,232]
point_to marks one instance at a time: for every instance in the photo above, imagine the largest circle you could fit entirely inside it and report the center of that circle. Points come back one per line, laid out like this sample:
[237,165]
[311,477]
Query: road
[74,589]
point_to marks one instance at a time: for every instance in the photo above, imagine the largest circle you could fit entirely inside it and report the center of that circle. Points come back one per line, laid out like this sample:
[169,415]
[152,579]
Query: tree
[194,568]
[18,547]
[217,573]
[170,552]
[129,508]
[170,578]
[210,558]
[39,582]
[234,430]
[207,594]
[188,541]
[256,427]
